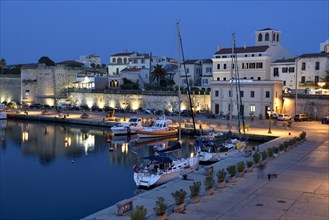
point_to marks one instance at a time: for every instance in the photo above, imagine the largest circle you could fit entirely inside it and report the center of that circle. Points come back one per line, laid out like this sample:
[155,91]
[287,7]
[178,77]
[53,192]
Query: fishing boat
[3,113]
[133,125]
[161,128]
[161,169]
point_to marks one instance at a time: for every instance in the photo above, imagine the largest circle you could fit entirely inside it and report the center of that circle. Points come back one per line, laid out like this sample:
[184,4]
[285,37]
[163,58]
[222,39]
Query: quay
[300,189]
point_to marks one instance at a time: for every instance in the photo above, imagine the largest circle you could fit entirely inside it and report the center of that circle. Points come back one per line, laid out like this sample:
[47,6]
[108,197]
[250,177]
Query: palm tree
[158,73]
[2,64]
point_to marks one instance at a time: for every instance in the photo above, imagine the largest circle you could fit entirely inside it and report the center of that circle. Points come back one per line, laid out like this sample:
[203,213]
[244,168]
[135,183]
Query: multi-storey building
[284,70]
[252,64]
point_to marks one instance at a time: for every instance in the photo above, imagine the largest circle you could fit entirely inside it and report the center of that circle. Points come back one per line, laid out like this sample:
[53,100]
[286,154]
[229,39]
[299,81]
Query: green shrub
[249,163]
[209,181]
[256,157]
[179,196]
[139,213]
[160,206]
[221,174]
[195,188]
[270,152]
[231,170]
[241,166]
[264,155]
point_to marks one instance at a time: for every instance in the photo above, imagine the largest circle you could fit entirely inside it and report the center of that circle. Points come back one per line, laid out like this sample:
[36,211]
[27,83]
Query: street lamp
[124,105]
[269,121]
[321,84]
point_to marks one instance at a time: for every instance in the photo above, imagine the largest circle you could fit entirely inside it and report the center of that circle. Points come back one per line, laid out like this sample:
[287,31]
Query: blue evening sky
[64,30]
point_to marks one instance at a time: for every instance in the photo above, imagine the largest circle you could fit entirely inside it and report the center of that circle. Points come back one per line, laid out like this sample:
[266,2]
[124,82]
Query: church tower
[267,37]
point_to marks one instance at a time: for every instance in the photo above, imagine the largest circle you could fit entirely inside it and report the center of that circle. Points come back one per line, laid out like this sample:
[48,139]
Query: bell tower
[267,37]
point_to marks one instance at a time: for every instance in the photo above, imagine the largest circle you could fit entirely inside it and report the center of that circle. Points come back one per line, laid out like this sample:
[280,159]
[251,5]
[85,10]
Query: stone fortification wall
[316,106]
[10,88]
[135,101]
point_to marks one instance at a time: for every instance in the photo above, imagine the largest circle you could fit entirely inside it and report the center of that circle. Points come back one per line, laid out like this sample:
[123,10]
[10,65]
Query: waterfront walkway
[300,190]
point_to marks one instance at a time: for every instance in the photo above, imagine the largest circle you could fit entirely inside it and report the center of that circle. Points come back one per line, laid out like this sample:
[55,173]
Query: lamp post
[269,121]
[124,105]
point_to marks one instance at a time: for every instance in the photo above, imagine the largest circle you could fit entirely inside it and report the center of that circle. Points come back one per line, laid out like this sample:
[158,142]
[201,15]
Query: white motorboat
[161,170]
[160,129]
[133,125]
[3,113]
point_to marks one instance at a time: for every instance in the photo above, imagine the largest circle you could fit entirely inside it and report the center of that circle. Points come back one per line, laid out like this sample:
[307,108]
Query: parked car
[301,117]
[284,117]
[325,120]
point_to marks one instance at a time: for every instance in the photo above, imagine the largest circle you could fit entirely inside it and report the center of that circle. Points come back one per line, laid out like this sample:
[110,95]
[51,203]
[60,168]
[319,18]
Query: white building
[89,60]
[311,68]
[258,97]
[284,70]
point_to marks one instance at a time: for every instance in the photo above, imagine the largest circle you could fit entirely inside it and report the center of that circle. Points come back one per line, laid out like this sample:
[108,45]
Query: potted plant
[270,152]
[139,213]
[179,197]
[209,184]
[256,158]
[232,172]
[249,165]
[195,192]
[241,166]
[160,209]
[221,175]
[264,155]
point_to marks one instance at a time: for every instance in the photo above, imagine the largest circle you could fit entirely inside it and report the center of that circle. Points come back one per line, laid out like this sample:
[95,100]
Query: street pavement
[300,190]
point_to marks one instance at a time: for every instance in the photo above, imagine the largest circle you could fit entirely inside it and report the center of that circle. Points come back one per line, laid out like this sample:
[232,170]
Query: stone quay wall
[10,88]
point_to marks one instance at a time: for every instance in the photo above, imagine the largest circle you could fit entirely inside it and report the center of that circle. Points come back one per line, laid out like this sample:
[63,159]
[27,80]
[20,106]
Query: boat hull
[152,134]
[125,131]
[147,179]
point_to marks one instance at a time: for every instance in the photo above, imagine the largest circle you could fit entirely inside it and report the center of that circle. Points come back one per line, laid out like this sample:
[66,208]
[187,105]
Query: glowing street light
[321,84]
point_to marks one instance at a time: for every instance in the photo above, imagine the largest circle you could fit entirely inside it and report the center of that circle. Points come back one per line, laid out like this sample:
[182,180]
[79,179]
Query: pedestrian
[261,170]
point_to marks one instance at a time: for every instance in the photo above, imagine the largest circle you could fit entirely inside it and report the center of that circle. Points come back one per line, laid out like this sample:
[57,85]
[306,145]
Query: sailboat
[162,169]
[214,151]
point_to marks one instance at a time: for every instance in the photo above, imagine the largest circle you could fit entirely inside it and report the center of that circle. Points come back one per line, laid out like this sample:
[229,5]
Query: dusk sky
[64,30]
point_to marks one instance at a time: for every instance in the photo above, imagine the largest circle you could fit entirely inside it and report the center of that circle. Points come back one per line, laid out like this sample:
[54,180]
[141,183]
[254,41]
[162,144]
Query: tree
[103,65]
[2,64]
[93,65]
[158,74]
[47,61]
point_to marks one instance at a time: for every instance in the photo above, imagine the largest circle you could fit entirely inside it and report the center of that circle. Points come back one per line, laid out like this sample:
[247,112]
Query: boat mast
[179,84]
[231,90]
[187,83]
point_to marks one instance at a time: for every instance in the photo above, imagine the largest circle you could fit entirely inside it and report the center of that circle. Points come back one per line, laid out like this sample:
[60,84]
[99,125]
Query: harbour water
[57,171]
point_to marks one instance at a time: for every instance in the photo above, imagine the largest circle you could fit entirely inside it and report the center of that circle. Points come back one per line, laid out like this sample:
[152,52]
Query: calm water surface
[55,171]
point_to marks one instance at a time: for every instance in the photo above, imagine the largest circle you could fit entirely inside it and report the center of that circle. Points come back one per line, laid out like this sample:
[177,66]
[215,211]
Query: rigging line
[188,87]
[179,85]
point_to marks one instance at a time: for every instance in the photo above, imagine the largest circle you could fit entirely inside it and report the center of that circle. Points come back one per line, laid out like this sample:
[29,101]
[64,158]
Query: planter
[179,208]
[242,174]
[195,199]
[249,169]
[222,184]
[233,179]
[162,217]
[210,191]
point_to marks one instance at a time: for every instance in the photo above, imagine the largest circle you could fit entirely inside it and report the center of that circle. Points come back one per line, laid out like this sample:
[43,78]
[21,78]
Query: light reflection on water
[56,171]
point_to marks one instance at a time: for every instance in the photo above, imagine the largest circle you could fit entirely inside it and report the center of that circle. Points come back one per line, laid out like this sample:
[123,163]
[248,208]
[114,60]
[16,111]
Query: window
[224,79]
[260,37]
[117,71]
[260,54]
[317,65]
[259,65]
[216,93]
[208,70]
[291,69]
[267,94]
[216,108]
[218,78]
[244,65]
[27,92]
[284,82]
[229,93]
[187,70]
[302,79]
[303,66]
[113,60]
[316,79]
[284,69]
[218,66]
[267,37]
[241,93]
[224,66]
[259,78]
[276,71]
[252,108]
[252,94]
[205,81]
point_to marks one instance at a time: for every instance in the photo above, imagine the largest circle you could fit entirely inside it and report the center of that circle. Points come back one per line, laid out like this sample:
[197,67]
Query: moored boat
[161,128]
[161,170]
[131,127]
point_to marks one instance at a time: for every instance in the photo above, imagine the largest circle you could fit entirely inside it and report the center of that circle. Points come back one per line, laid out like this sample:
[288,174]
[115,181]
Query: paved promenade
[300,190]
